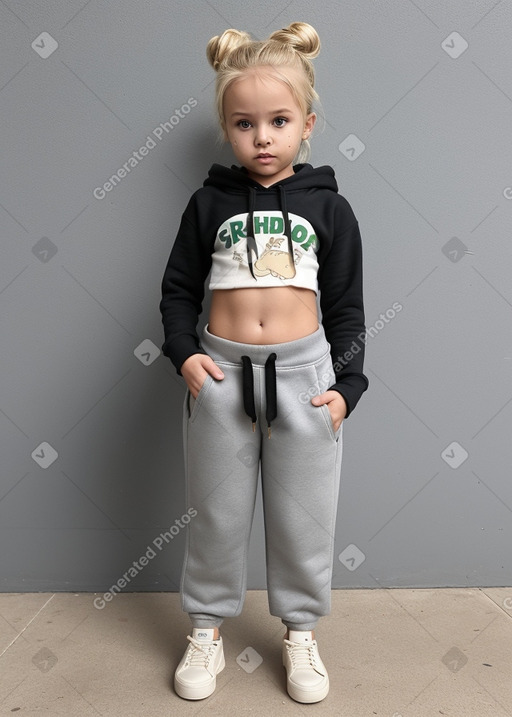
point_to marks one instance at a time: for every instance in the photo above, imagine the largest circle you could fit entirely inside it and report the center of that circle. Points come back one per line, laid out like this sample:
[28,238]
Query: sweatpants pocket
[194,404]
[326,377]
[328,420]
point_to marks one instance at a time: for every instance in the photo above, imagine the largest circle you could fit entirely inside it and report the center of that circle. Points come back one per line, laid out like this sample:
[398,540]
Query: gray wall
[426,495]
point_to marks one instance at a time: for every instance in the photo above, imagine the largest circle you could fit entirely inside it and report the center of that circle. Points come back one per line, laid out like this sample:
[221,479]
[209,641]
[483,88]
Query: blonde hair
[233,53]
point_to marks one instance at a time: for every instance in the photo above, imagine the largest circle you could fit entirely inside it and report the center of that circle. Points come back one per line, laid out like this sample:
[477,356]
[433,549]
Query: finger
[195,386]
[320,399]
[212,368]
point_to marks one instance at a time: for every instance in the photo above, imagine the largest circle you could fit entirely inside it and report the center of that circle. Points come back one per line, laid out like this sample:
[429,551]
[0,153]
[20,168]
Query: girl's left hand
[336,405]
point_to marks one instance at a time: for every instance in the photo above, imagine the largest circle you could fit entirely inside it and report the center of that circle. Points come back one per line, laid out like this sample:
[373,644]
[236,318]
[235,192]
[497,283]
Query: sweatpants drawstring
[248,390]
[270,390]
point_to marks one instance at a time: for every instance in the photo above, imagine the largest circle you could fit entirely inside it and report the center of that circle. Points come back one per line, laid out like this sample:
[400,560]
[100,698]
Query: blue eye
[280,121]
[244,124]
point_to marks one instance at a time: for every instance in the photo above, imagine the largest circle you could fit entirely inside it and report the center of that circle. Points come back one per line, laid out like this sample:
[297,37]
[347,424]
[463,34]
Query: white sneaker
[196,675]
[307,679]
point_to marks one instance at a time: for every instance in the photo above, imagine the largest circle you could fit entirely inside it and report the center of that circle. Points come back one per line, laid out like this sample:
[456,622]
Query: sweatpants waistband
[306,350]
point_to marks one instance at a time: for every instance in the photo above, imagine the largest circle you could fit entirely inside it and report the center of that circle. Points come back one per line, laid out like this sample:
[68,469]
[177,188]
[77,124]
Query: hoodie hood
[236,180]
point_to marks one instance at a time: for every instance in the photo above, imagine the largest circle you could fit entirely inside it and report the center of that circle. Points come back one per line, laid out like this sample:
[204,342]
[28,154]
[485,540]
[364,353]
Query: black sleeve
[183,290]
[341,303]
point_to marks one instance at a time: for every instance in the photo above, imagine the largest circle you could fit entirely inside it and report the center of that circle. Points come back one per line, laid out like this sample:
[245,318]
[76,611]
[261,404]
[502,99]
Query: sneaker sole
[307,696]
[189,692]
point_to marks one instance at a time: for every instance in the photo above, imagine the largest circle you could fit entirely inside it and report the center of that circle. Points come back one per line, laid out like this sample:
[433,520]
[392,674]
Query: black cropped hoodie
[311,193]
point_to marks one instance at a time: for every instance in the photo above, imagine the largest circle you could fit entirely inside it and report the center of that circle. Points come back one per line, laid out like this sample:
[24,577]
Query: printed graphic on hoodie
[272,264]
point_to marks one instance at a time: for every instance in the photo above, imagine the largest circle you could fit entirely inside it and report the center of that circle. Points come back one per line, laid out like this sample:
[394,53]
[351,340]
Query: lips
[265,159]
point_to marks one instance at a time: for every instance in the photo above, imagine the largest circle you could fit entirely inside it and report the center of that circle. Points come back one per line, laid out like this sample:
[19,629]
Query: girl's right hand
[195,369]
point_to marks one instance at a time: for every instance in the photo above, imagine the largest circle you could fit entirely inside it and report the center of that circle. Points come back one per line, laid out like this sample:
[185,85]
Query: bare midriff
[269,315]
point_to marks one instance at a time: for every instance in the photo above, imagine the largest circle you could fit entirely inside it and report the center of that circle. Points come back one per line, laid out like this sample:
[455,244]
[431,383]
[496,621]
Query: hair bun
[220,46]
[301,36]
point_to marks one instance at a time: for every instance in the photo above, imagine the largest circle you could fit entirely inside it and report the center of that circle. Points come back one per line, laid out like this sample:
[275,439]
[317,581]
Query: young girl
[268,386]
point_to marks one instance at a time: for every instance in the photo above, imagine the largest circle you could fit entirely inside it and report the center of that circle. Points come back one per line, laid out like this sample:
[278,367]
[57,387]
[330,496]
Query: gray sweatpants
[300,458]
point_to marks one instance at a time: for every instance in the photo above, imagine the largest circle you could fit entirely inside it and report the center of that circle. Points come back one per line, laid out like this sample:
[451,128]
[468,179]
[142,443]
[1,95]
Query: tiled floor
[392,653]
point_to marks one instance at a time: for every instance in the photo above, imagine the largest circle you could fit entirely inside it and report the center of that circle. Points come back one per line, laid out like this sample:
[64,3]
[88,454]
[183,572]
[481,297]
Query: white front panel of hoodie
[272,266]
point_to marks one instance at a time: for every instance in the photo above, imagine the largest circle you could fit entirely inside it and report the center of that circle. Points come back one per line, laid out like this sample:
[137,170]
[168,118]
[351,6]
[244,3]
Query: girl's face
[265,125]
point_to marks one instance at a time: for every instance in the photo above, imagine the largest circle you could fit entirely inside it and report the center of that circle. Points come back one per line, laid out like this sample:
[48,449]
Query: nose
[262,138]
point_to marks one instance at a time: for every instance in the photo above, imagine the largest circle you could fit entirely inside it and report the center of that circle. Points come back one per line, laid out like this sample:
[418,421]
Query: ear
[308,125]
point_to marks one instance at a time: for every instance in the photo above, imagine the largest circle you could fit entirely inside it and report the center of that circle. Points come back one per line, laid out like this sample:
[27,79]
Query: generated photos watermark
[370,333]
[159,133]
[138,565]
[361,340]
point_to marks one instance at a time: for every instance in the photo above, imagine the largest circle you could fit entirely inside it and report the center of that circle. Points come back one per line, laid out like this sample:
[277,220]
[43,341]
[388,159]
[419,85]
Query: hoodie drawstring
[270,390]
[287,227]
[251,241]
[252,248]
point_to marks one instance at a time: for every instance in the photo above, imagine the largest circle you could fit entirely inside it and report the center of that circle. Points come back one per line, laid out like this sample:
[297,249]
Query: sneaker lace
[199,653]
[301,655]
